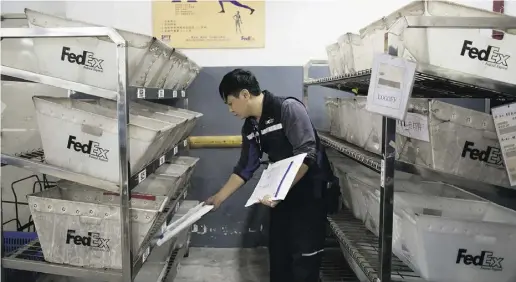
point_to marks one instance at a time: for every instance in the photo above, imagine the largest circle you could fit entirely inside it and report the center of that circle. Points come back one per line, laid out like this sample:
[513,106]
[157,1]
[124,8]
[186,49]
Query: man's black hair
[237,80]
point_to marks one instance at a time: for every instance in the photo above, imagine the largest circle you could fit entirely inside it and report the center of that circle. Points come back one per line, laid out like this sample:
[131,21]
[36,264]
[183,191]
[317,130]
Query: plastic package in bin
[182,74]
[83,137]
[92,60]
[422,44]
[169,177]
[457,240]
[355,180]
[431,128]
[346,42]
[189,162]
[178,122]
[191,116]
[80,225]
[335,63]
[417,190]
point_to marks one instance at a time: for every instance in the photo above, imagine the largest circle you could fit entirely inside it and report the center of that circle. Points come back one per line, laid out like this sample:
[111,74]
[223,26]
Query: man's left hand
[269,202]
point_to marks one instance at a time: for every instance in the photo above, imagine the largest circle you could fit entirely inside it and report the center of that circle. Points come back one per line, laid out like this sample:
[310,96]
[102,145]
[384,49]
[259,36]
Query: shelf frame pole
[387,186]
[122,115]
[128,273]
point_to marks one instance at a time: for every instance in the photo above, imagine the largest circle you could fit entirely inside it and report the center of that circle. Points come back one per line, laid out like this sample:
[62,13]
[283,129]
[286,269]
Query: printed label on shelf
[161,93]
[141,93]
[183,93]
[382,174]
[391,84]
[175,150]
[505,123]
[185,143]
[174,94]
[414,126]
[142,176]
[146,254]
[162,160]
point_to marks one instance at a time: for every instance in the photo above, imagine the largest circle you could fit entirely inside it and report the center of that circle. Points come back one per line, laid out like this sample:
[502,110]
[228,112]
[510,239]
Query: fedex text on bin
[491,156]
[92,240]
[491,55]
[86,59]
[91,148]
[485,260]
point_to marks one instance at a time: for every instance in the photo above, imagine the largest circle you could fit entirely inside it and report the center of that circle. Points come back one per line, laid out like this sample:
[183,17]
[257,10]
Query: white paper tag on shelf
[183,93]
[382,173]
[391,84]
[185,143]
[505,123]
[141,93]
[146,254]
[161,160]
[174,94]
[161,93]
[415,126]
[175,150]
[142,175]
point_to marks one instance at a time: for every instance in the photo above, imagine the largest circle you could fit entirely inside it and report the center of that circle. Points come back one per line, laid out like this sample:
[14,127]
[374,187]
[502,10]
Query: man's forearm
[234,182]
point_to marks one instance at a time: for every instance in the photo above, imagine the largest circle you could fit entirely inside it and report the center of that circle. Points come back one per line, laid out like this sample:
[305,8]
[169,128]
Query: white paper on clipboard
[277,179]
[505,123]
[176,227]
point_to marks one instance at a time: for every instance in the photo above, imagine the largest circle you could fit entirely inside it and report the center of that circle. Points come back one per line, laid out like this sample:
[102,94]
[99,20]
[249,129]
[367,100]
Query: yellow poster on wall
[209,24]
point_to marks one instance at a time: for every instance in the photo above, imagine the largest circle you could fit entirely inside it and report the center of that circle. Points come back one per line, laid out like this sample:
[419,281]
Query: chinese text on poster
[210,24]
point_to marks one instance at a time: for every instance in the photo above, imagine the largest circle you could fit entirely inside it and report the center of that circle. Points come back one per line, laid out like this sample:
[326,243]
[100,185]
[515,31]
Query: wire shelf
[35,161]
[367,159]
[30,256]
[335,268]
[149,242]
[362,246]
[430,82]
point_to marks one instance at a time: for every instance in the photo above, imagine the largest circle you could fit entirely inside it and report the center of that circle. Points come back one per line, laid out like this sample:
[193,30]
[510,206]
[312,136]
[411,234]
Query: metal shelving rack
[29,258]
[370,257]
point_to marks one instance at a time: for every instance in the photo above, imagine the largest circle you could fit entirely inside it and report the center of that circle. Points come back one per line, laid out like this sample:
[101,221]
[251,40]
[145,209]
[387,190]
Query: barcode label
[382,174]
[141,93]
[142,176]
[146,254]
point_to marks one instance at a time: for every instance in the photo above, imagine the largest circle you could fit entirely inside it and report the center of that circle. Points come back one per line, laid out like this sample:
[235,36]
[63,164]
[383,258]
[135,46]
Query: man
[281,128]
[236,3]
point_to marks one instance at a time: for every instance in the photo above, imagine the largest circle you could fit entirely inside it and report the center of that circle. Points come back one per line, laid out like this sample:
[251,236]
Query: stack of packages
[441,231]
[80,224]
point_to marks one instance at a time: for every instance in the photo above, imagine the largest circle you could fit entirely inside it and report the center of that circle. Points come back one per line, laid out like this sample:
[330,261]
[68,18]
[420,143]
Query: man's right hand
[215,200]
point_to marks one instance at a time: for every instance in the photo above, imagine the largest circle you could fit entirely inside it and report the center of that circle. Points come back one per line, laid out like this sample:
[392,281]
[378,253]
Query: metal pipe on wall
[229,141]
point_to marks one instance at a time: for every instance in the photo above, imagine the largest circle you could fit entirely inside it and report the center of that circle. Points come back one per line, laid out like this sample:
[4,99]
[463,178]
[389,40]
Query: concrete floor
[224,265]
